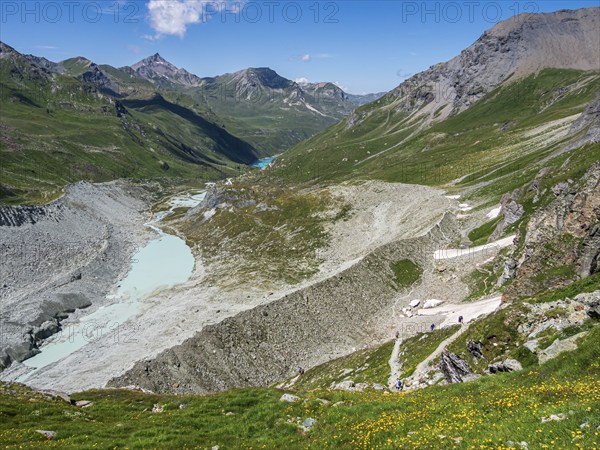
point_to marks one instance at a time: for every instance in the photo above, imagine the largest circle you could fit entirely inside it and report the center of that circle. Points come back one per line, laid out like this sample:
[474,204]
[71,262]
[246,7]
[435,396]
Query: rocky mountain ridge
[511,50]
[158,70]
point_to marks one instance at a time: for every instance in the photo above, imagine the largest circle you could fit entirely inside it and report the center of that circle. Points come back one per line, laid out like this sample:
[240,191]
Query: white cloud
[173,17]
[307,57]
[302,81]
[46,47]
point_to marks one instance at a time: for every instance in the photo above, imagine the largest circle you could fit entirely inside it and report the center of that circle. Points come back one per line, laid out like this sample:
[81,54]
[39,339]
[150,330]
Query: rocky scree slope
[305,328]
[511,50]
[62,257]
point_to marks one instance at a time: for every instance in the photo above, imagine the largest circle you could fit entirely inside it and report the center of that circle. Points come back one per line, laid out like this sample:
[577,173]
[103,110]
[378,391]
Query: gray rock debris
[50,435]
[308,423]
[559,346]
[508,365]
[289,398]
[474,349]
[61,257]
[453,367]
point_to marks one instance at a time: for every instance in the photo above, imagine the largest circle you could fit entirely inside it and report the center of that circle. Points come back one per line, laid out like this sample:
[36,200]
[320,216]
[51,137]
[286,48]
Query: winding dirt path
[395,366]
[425,366]
[469,311]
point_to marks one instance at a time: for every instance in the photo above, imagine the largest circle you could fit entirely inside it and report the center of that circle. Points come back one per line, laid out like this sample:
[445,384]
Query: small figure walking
[460,319]
[399,384]
[300,371]
[397,335]
[432,326]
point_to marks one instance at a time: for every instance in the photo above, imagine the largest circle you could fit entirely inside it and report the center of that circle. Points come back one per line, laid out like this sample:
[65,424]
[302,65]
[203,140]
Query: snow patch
[450,253]
[494,213]
[432,303]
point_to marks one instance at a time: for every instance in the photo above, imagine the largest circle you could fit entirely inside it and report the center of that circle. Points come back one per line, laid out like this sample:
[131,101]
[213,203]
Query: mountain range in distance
[235,100]
[76,119]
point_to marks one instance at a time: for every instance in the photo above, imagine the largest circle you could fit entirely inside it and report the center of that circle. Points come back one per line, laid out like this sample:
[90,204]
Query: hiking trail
[395,366]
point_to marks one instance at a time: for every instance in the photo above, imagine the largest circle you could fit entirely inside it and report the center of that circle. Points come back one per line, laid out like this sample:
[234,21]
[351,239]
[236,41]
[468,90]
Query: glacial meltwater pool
[264,162]
[161,264]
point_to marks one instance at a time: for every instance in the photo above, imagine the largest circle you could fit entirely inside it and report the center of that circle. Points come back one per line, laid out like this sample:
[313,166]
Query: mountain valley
[444,235]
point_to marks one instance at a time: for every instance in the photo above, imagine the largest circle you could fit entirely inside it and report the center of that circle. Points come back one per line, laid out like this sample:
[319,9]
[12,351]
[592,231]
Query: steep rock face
[100,79]
[564,235]
[590,120]
[510,211]
[158,70]
[513,49]
[454,367]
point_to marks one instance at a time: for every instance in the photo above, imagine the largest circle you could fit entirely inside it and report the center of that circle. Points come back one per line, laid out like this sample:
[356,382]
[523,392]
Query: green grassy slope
[55,130]
[493,147]
[263,114]
[463,416]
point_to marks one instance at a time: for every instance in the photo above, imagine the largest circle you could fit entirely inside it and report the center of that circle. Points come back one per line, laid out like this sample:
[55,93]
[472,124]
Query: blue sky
[364,46]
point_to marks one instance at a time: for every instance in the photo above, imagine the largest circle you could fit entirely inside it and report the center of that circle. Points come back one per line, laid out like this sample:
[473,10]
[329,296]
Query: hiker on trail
[300,371]
[398,384]
[432,326]
[397,335]
[460,319]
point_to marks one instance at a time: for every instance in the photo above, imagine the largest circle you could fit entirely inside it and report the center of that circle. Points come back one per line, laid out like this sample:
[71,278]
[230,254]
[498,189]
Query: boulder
[512,212]
[49,434]
[512,365]
[591,301]
[554,418]
[21,351]
[508,365]
[360,387]
[48,393]
[83,403]
[414,303]
[453,367]
[289,398]
[560,188]
[559,346]
[308,423]
[46,330]
[347,385]
[158,408]
[532,345]
[5,361]
[474,349]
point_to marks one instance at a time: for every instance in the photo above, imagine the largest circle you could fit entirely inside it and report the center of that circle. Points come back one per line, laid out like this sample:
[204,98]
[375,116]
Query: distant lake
[264,162]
